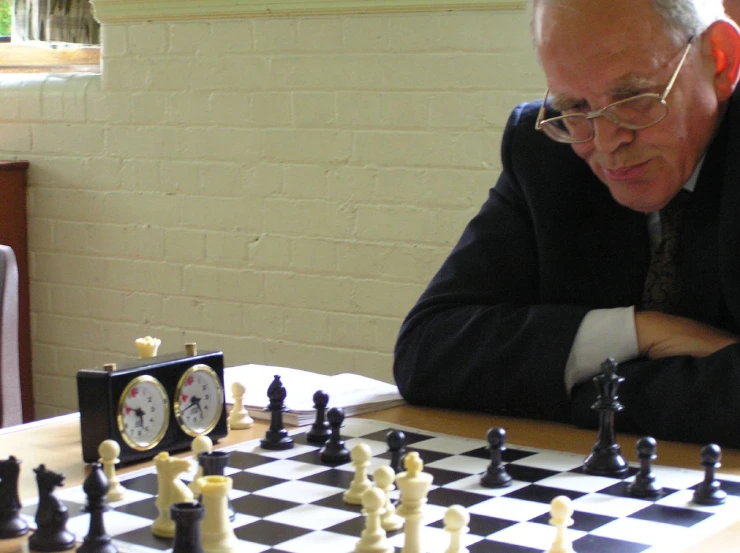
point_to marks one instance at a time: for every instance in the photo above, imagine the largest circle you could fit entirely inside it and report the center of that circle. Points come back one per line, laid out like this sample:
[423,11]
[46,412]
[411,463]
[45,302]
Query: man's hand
[660,335]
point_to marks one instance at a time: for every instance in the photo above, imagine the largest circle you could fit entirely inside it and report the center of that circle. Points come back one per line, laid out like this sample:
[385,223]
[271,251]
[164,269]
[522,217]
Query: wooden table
[56,443]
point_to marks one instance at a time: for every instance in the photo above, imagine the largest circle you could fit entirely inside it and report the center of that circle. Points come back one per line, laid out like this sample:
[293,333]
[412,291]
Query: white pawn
[373,538]
[360,455]
[414,485]
[456,524]
[239,417]
[201,444]
[384,477]
[109,450]
[561,511]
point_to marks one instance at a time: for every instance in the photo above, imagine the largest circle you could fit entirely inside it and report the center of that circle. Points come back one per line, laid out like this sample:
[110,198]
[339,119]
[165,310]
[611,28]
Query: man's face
[602,52]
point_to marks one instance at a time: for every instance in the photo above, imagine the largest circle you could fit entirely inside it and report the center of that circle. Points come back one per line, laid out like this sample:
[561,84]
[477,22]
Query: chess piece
[187,517]
[396,441]
[709,491]
[217,535]
[12,524]
[373,538]
[200,444]
[414,485]
[606,457]
[496,475]
[456,524]
[97,539]
[51,515]
[109,451]
[214,463]
[334,452]
[239,417]
[147,346]
[360,456]
[384,477]
[320,430]
[170,489]
[276,438]
[644,485]
[561,513]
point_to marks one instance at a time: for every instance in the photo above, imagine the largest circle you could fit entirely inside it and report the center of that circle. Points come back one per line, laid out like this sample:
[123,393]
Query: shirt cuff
[603,333]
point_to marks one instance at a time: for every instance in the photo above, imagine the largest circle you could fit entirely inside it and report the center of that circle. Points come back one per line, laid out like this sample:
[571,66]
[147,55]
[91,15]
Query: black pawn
[187,517]
[320,430]
[644,485]
[334,452]
[396,441]
[709,491]
[606,457]
[51,515]
[496,475]
[276,438]
[12,524]
[214,464]
[96,488]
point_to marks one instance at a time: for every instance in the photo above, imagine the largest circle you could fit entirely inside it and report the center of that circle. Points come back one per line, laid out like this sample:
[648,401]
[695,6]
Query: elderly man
[613,231]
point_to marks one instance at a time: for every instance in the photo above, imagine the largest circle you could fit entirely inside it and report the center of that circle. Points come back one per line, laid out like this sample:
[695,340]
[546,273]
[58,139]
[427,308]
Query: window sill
[36,57]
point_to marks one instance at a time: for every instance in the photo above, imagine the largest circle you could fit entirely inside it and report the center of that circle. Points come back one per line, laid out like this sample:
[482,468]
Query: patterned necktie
[663,291]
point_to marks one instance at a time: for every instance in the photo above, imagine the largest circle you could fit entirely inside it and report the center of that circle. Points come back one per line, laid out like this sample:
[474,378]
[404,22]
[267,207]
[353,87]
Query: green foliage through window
[5,17]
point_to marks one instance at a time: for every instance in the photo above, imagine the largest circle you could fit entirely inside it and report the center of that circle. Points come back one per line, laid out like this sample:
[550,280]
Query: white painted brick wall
[279,188]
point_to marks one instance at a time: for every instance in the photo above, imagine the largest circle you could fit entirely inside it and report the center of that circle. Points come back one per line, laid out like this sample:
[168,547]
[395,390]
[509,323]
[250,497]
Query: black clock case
[98,392]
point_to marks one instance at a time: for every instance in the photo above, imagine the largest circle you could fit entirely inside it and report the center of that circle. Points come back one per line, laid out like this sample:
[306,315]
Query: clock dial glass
[199,401]
[143,413]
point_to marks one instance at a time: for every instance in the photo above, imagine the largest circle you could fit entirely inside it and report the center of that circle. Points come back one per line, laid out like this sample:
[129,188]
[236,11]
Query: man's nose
[608,136]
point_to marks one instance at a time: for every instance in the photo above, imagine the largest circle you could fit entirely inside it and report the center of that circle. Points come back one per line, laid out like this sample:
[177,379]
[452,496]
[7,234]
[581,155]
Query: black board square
[542,494]
[599,544]
[481,525]
[336,501]
[353,527]
[268,533]
[302,439]
[492,546]
[335,478]
[243,460]
[250,482]
[528,474]
[260,506]
[620,489]
[73,509]
[675,516]
[442,477]
[146,483]
[143,537]
[314,458]
[447,496]
[586,522]
[508,455]
[146,508]
[732,488]
[411,437]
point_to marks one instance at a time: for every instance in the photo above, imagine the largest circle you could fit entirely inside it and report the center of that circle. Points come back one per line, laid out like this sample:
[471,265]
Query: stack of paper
[354,393]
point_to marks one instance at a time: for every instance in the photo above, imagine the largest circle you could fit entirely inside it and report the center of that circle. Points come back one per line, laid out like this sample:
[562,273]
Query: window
[47,44]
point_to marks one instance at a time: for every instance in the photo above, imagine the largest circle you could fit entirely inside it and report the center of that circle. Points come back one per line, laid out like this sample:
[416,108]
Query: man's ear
[722,38]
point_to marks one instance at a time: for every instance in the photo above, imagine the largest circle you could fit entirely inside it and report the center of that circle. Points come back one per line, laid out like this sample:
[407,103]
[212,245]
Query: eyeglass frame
[539,123]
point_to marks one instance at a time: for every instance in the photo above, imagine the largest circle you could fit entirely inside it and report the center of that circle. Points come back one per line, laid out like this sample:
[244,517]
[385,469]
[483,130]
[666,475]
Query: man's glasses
[637,112]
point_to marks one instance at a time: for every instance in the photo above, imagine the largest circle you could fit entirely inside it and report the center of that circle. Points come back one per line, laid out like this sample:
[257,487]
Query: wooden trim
[40,57]
[119,11]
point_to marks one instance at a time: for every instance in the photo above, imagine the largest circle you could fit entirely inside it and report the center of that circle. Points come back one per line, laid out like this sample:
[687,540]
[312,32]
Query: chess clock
[150,405]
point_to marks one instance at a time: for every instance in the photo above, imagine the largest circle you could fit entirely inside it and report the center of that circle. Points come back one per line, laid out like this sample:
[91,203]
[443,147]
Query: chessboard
[289,502]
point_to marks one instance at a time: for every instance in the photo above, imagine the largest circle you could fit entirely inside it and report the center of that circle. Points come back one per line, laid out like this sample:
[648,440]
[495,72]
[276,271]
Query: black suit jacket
[494,328]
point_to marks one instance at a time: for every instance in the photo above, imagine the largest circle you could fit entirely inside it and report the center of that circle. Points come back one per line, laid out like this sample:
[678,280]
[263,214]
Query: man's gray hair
[683,19]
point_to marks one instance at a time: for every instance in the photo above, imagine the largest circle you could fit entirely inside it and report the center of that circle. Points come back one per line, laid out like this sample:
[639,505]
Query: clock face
[198,400]
[143,413]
